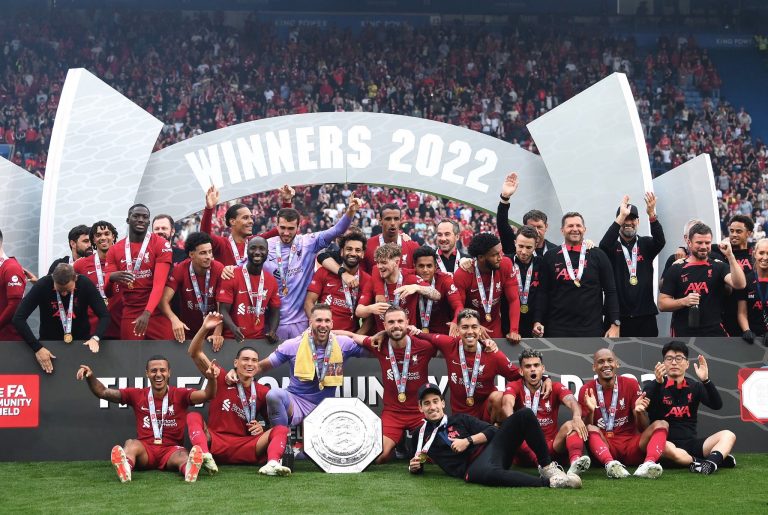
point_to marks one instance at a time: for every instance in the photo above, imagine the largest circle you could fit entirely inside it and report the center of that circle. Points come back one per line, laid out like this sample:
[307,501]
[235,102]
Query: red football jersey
[624,422]
[547,409]
[87,266]
[175,422]
[443,310]
[225,411]
[505,283]
[158,251]
[410,304]
[330,290]
[181,282]
[369,263]
[418,373]
[243,311]
[12,284]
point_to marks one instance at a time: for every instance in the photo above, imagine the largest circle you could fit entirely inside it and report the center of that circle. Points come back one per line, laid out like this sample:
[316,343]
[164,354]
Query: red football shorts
[232,449]
[159,327]
[626,449]
[158,455]
[393,424]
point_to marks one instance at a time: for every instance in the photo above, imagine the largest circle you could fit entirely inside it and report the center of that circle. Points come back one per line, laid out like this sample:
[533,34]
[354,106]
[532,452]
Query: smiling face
[761,256]
[287,230]
[395,324]
[629,227]
[432,407]
[352,253]
[320,324]
[738,234]
[82,247]
[138,220]
[573,230]
[257,251]
[469,332]
[103,239]
[445,238]
[247,364]
[159,373]
[605,363]
[242,223]
[162,227]
[700,246]
[425,268]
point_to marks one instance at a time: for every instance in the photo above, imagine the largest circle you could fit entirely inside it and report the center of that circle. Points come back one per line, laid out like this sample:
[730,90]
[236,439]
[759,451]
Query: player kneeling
[233,434]
[528,394]
[159,435]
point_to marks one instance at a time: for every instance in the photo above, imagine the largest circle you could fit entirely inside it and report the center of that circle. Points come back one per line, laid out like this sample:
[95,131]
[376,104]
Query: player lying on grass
[160,412]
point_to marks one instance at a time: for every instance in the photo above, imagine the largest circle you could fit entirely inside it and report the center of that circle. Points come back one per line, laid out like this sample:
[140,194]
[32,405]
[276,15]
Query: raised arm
[97,387]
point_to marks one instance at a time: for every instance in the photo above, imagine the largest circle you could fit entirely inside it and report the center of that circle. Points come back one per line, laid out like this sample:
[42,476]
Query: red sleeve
[512,388]
[510,291]
[562,392]
[582,392]
[79,266]
[377,283]
[316,285]
[129,395]
[14,282]
[159,279]
[186,396]
[451,293]
[109,267]
[366,294]
[506,367]
[270,233]
[226,294]
[368,344]
[175,277]
[164,252]
[441,342]
[206,221]
[463,281]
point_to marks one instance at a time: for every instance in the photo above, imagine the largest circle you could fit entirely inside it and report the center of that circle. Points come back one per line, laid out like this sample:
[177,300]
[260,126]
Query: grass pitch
[92,487]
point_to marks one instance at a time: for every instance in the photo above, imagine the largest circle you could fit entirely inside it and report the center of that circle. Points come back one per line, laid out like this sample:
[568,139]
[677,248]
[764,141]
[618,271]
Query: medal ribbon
[608,416]
[99,275]
[400,379]
[524,289]
[487,302]
[423,447]
[395,302]
[135,264]
[280,266]
[569,266]
[157,430]
[326,358]
[470,384]
[239,261]
[260,293]
[425,309]
[350,296]
[534,406]
[249,405]
[631,262]
[455,263]
[202,299]
[66,316]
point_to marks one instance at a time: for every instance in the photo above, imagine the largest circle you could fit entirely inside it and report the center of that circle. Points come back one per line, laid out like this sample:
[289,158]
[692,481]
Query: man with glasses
[676,399]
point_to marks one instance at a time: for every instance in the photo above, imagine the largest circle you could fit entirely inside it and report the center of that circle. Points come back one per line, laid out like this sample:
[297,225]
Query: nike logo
[230,387]
[473,290]
[188,289]
[330,285]
[242,292]
[91,272]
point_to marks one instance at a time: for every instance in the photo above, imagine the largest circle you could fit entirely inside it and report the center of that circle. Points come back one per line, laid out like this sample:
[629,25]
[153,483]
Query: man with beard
[632,259]
[103,235]
[231,251]
[79,246]
[574,298]
[676,400]
[163,225]
[195,282]
[245,298]
[530,393]
[693,289]
[533,218]
[620,431]
[141,262]
[233,434]
[159,436]
[468,448]
[446,238]
[740,229]
[753,311]
[389,219]
[332,290]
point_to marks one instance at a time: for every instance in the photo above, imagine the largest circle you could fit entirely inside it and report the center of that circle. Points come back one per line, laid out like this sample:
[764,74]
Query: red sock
[278,436]
[130,463]
[656,445]
[599,448]
[575,446]
[196,430]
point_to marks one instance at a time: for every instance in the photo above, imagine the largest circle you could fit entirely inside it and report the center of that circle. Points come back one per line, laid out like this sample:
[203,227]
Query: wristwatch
[617,323]
[471,442]
[96,338]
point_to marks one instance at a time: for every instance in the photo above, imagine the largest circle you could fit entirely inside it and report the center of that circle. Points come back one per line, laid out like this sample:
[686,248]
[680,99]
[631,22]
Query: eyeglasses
[674,359]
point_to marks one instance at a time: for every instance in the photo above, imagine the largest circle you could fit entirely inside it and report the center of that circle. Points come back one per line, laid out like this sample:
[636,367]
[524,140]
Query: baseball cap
[429,388]
[632,211]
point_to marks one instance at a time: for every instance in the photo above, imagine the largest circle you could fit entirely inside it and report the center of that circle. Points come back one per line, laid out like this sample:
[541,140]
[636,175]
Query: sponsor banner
[19,400]
[70,413]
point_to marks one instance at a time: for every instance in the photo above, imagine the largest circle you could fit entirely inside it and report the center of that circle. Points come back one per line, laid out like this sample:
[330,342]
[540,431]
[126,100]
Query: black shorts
[693,446]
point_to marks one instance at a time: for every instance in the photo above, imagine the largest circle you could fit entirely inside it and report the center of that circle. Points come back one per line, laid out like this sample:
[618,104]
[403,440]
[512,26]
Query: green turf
[92,487]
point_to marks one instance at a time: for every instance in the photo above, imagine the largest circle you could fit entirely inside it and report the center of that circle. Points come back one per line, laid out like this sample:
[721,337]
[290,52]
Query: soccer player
[292,261]
[680,252]
[700,281]
[234,434]
[159,436]
[675,399]
[616,414]
[753,320]
[102,236]
[163,225]
[528,393]
[481,289]
[63,299]
[395,288]
[435,316]
[195,282]
[468,448]
[79,246]
[740,229]
[231,251]
[577,287]
[533,218]
[448,254]
[389,219]
[527,267]
[245,298]
[404,362]
[141,262]
[332,290]
[632,259]
[471,372]
[12,284]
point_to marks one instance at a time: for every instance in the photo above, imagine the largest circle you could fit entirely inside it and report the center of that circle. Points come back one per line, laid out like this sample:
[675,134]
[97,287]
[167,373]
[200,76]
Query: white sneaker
[209,464]
[550,470]
[580,465]
[616,470]
[649,470]
[194,463]
[562,480]
[120,462]
[274,468]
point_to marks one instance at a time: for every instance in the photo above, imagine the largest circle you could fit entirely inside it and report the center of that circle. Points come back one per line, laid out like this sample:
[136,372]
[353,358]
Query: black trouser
[492,466]
[639,327]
